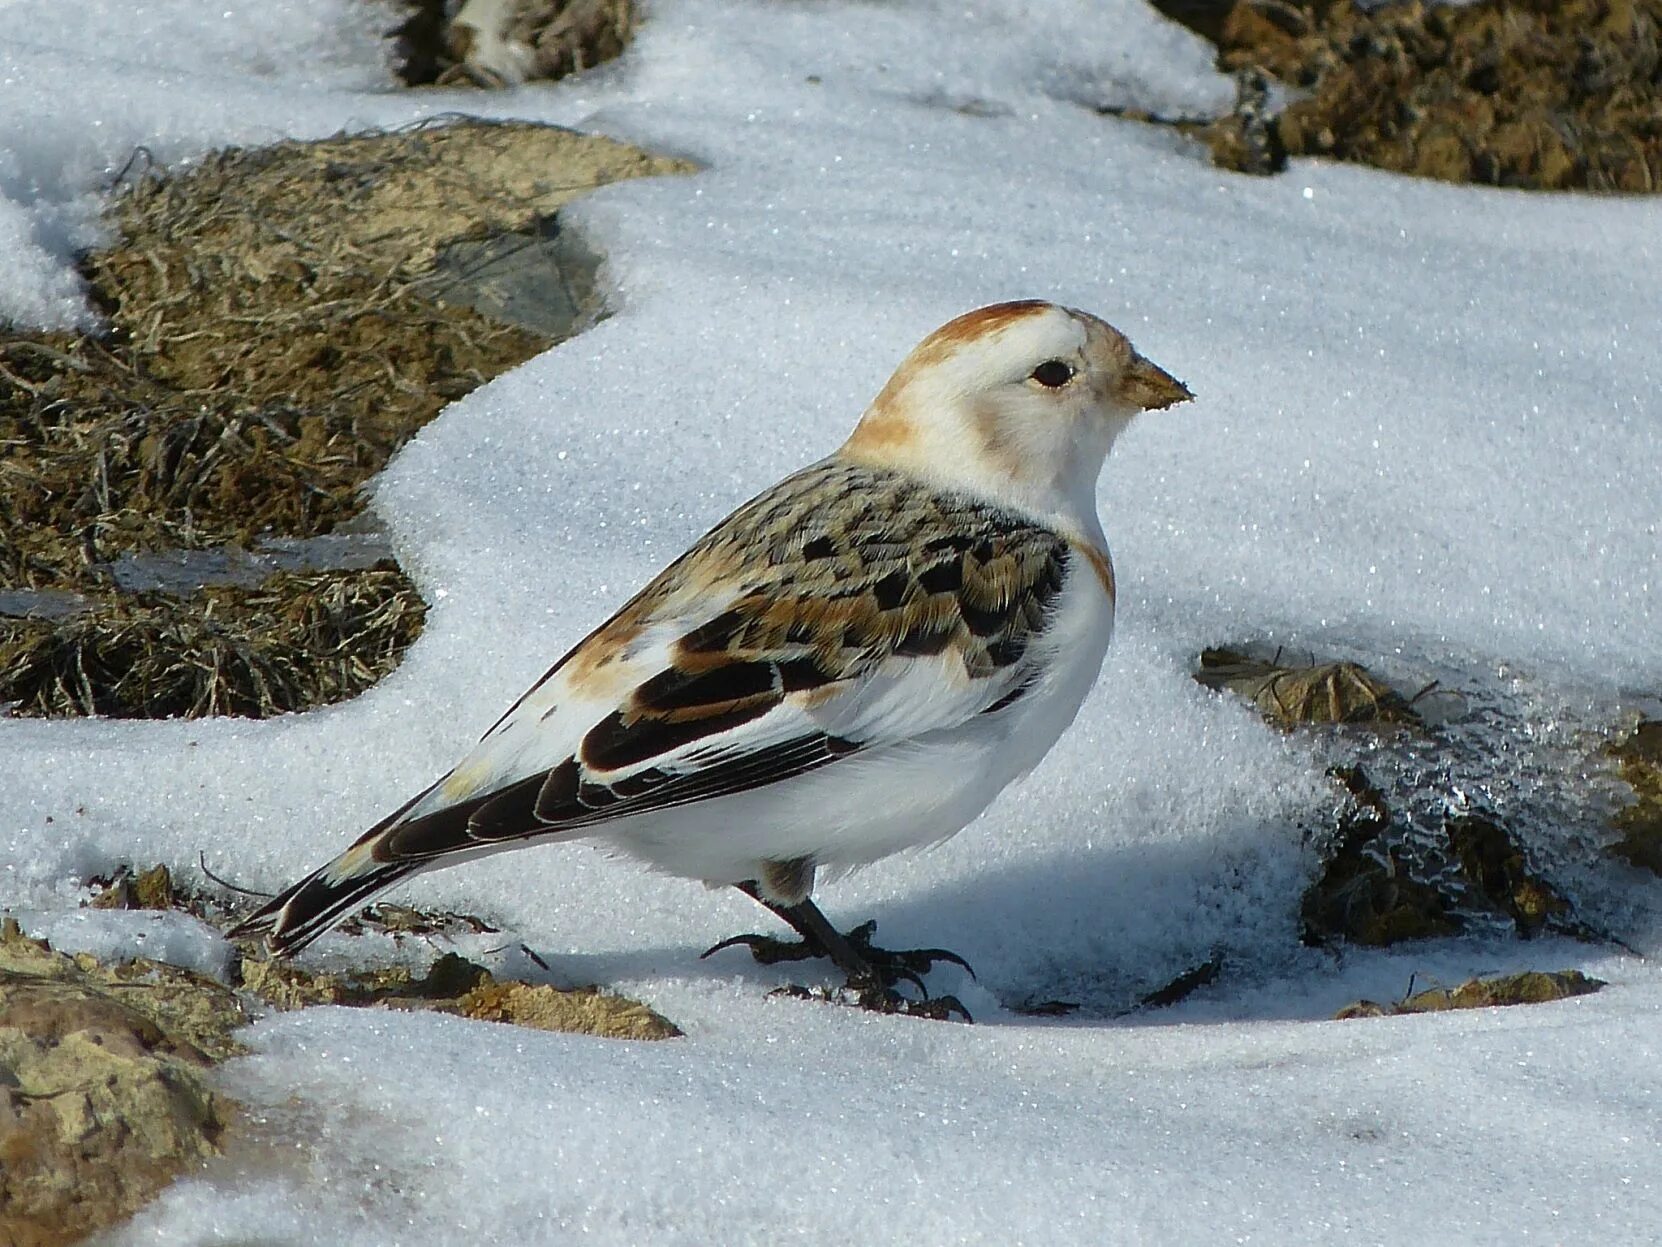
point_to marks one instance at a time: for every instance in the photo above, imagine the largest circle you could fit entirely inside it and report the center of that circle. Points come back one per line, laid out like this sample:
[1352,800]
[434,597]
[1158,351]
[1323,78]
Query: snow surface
[1425,434]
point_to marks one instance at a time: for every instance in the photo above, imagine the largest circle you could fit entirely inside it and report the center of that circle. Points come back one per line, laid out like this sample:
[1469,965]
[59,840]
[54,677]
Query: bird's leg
[872,972]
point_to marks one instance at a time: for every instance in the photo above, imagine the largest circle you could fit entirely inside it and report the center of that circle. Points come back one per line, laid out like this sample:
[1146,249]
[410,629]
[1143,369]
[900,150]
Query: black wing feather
[548,802]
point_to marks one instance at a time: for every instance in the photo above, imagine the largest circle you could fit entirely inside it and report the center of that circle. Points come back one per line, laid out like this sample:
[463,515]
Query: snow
[1424,434]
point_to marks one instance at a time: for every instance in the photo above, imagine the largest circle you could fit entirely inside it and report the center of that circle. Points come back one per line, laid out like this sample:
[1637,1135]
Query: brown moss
[1639,756]
[1539,94]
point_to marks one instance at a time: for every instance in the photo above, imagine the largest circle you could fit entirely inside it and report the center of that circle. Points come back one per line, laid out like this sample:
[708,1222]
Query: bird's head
[1019,402]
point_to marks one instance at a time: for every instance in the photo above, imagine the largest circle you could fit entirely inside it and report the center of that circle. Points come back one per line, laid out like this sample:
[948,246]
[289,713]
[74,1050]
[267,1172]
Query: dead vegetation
[1290,694]
[277,330]
[1370,891]
[280,321]
[1406,864]
[297,640]
[127,889]
[1528,988]
[1535,94]
[1494,866]
[462,988]
[452,984]
[1639,756]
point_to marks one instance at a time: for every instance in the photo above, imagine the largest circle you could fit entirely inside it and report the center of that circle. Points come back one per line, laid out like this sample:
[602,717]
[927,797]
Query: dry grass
[276,332]
[279,324]
[300,639]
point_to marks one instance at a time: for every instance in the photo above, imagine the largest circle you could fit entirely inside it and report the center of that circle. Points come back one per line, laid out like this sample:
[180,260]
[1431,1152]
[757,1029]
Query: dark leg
[872,972]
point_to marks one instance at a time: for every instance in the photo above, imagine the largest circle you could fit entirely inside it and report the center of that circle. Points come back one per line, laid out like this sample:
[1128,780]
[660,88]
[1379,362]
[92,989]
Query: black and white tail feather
[306,910]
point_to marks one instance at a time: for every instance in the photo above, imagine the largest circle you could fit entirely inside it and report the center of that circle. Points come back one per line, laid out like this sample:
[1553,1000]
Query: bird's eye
[1053,374]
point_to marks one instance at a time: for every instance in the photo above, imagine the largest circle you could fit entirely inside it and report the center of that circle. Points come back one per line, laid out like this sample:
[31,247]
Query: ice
[1424,436]
[117,935]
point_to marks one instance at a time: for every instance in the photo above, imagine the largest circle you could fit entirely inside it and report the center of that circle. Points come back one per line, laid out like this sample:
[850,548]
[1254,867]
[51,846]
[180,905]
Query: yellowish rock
[583,1011]
[457,986]
[103,1093]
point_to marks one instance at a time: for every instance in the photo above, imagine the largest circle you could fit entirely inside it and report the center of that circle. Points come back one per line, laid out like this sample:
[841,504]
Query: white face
[1021,401]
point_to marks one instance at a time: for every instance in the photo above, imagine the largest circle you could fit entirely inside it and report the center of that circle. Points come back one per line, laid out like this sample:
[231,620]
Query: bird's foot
[873,973]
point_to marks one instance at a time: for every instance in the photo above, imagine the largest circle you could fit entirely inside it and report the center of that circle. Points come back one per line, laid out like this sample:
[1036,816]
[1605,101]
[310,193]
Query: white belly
[872,804]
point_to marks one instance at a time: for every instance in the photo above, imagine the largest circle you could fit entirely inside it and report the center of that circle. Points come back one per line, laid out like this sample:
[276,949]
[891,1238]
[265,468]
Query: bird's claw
[874,987]
[902,962]
[766,949]
[887,968]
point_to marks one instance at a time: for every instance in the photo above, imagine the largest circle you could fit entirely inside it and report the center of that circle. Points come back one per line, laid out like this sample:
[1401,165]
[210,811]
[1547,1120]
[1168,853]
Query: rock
[541,278]
[103,1093]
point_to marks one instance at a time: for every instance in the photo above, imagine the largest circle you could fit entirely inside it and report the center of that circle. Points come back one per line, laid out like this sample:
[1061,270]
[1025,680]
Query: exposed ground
[280,321]
[1533,94]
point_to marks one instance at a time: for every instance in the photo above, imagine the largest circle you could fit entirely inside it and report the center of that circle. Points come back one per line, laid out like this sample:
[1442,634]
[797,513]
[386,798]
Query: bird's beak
[1149,388]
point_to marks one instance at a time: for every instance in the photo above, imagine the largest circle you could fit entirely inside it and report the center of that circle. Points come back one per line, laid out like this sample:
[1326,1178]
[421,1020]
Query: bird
[855,662]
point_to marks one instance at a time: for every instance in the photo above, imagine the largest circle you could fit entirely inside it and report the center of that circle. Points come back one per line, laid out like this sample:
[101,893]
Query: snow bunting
[854,662]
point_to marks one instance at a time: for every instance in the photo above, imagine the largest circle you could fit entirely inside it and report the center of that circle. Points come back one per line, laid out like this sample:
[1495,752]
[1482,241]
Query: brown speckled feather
[845,565]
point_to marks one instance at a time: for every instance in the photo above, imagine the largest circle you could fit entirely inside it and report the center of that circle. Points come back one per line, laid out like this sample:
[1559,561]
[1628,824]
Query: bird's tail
[398,846]
[298,915]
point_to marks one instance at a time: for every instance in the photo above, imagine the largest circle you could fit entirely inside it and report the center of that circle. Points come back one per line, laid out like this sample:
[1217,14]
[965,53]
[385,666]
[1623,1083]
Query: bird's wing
[846,609]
